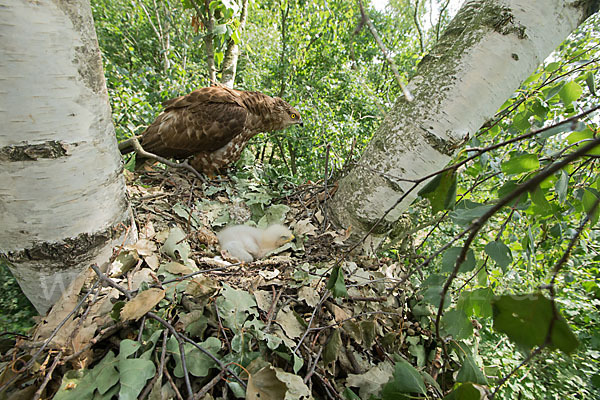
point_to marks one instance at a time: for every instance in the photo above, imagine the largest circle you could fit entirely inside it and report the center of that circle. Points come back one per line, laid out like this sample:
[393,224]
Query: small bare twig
[139,150]
[38,393]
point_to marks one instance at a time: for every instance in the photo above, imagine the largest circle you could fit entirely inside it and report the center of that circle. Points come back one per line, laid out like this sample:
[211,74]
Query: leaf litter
[171,318]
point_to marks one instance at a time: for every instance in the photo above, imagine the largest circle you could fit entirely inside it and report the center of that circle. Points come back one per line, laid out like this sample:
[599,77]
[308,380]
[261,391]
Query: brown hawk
[213,125]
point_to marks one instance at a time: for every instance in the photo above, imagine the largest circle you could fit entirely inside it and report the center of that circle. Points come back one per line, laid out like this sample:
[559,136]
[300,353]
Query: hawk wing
[202,121]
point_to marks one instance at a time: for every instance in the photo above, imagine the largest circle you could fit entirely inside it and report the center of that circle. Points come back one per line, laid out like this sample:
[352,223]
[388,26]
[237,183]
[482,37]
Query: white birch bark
[487,51]
[62,194]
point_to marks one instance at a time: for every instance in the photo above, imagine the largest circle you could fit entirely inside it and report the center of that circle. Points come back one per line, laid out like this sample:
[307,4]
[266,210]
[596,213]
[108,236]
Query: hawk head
[287,114]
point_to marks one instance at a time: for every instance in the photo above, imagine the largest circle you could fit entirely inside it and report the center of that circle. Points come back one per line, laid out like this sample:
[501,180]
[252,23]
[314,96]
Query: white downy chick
[247,243]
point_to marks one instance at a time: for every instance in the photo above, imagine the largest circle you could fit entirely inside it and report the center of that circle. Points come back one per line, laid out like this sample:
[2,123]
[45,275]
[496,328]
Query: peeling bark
[62,194]
[489,48]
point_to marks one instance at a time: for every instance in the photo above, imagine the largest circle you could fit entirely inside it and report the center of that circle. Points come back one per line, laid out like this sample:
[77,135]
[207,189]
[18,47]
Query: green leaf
[477,302]
[197,362]
[466,391]
[589,80]
[133,374]
[433,295]
[176,246]
[130,165]
[332,348]
[106,374]
[441,191]
[578,136]
[500,253]
[76,385]
[570,92]
[273,215]
[451,256]
[219,29]
[520,163]
[561,186]
[466,216]
[235,307]
[350,395]
[526,320]
[457,324]
[589,200]
[542,206]
[336,282]
[406,379]
[554,91]
[470,372]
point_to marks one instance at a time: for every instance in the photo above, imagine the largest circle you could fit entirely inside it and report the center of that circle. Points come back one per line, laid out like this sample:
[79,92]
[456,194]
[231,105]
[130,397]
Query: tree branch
[409,97]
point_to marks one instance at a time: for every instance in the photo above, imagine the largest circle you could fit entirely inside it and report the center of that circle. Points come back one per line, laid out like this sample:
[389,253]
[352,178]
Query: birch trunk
[62,194]
[487,51]
[232,54]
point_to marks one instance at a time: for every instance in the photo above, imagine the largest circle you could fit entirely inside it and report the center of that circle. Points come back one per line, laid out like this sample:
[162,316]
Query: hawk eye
[293,115]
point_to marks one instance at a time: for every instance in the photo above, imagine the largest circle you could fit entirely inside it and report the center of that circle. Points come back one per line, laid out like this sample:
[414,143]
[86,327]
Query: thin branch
[480,222]
[49,339]
[139,150]
[419,31]
[407,95]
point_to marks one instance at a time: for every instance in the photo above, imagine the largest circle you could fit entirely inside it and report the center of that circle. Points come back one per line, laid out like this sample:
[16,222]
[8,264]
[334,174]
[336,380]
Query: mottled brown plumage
[214,124]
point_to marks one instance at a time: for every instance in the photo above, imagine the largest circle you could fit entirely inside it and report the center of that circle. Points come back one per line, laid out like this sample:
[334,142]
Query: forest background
[321,58]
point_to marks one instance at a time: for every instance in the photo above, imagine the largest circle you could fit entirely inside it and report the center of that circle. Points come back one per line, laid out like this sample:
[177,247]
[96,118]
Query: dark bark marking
[31,152]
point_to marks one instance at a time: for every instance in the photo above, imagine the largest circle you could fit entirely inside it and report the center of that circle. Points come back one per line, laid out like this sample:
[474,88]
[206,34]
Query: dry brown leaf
[268,275]
[147,231]
[178,268]
[141,304]
[202,286]
[83,336]
[143,275]
[309,295]
[304,227]
[144,247]
[339,313]
[286,318]
[62,308]
[152,261]
[263,299]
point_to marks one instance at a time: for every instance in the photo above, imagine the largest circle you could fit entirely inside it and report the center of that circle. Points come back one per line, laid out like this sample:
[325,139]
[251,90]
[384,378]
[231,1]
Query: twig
[221,327]
[272,308]
[327,150]
[511,373]
[209,386]
[38,393]
[127,293]
[407,95]
[314,365]
[139,150]
[49,339]
[312,317]
[419,31]
[478,224]
[172,382]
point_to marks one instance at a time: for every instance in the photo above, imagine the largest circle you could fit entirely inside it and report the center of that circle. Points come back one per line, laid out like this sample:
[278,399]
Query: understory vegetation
[413,333]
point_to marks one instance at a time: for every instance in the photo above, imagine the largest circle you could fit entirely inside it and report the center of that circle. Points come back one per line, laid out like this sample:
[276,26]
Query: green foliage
[16,311]
[529,321]
[336,284]
[310,54]
[522,245]
[406,379]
